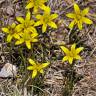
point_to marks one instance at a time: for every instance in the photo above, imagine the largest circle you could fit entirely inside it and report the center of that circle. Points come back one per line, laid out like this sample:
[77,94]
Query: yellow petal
[43,65]
[86,20]
[78,50]
[9,38]
[71,25]
[41,71]
[38,16]
[33,30]
[32,62]
[44,1]
[30,68]
[20,19]
[43,7]
[73,47]
[47,10]
[34,73]
[70,60]
[28,44]
[65,58]
[70,15]
[38,23]
[76,9]
[35,9]
[16,36]
[78,57]
[52,24]
[35,40]
[80,25]
[66,50]
[30,5]
[85,11]
[53,16]
[19,27]
[28,15]
[34,34]
[32,22]
[13,25]
[20,41]
[6,30]
[44,27]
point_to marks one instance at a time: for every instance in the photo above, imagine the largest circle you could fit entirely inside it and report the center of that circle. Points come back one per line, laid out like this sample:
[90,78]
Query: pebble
[8,70]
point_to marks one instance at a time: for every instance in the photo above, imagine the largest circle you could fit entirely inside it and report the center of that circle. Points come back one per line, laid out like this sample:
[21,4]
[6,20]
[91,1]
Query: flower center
[26,24]
[71,54]
[46,18]
[37,67]
[27,36]
[12,30]
[78,17]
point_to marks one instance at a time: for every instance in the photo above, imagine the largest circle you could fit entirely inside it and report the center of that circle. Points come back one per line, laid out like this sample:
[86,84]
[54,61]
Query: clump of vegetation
[31,36]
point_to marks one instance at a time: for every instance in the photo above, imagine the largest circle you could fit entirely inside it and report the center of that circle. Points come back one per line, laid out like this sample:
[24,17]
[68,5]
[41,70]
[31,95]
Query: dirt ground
[54,82]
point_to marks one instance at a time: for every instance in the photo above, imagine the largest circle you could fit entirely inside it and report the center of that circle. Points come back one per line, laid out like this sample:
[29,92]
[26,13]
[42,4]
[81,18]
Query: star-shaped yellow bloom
[28,38]
[71,54]
[79,17]
[36,5]
[36,67]
[46,19]
[12,32]
[25,24]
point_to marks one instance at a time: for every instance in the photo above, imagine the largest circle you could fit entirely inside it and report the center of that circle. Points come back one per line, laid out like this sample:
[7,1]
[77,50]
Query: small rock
[10,10]
[8,70]
[1,1]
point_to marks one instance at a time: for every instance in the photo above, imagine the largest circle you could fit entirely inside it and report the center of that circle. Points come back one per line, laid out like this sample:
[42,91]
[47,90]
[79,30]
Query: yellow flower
[12,31]
[71,54]
[46,19]
[36,4]
[25,24]
[28,38]
[79,17]
[36,67]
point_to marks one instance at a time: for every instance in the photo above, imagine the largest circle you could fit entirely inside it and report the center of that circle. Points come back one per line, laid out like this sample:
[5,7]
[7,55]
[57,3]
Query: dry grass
[59,79]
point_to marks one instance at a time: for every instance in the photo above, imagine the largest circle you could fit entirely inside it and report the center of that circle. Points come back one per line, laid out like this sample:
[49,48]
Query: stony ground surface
[54,80]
